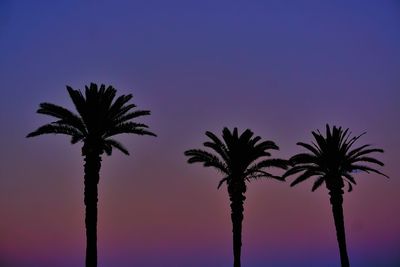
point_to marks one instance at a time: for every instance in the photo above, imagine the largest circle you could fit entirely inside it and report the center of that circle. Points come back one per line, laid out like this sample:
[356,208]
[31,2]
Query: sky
[280,68]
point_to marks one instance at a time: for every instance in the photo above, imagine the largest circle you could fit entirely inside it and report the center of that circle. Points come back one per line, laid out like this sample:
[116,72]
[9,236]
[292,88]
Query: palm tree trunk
[336,200]
[237,200]
[92,169]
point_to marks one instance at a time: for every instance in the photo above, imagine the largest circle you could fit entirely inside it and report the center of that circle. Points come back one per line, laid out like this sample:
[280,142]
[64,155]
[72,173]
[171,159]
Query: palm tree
[333,161]
[100,118]
[238,158]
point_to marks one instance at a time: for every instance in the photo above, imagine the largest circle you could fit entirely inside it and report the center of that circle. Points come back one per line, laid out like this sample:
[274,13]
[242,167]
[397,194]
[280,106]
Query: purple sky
[280,68]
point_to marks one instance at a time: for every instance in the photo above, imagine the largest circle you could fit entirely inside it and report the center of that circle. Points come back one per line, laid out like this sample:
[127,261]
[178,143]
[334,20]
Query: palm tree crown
[238,156]
[332,160]
[100,119]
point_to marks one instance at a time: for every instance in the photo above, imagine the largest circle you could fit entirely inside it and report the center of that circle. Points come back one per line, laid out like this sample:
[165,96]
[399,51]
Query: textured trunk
[92,169]
[337,210]
[237,199]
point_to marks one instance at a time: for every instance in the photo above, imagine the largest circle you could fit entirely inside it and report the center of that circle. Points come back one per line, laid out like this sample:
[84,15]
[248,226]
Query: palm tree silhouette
[100,118]
[333,161]
[238,159]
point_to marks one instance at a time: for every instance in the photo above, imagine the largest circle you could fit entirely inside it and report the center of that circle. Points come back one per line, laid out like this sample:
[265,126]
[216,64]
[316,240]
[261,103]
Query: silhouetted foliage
[99,119]
[333,161]
[238,158]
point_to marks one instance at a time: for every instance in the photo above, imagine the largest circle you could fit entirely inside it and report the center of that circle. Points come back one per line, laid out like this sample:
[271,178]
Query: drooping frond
[277,163]
[350,188]
[128,127]
[307,174]
[349,178]
[256,170]
[55,128]
[366,169]
[224,180]
[295,169]
[77,138]
[113,143]
[303,158]
[320,180]
[251,174]
[208,159]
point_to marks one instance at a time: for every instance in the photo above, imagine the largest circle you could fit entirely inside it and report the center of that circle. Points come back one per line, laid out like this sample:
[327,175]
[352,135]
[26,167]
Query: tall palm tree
[99,119]
[239,159]
[333,161]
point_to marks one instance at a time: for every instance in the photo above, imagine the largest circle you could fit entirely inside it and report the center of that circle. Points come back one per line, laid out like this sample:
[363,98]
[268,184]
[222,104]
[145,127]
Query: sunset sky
[280,68]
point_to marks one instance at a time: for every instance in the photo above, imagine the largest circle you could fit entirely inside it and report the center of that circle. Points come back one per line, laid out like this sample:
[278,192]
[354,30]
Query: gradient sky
[281,68]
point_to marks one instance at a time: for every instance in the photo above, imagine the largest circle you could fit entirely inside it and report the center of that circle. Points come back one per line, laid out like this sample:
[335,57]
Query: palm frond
[364,152]
[65,116]
[313,149]
[55,129]
[107,95]
[76,138]
[208,159]
[131,115]
[122,111]
[307,174]
[353,140]
[321,142]
[303,158]
[266,145]
[226,179]
[128,127]
[367,159]
[107,148]
[115,144]
[366,169]
[228,137]
[217,145]
[295,169]
[254,141]
[257,173]
[350,188]
[318,182]
[354,151]
[344,137]
[267,163]
[118,108]
[78,100]
[245,136]
[349,177]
